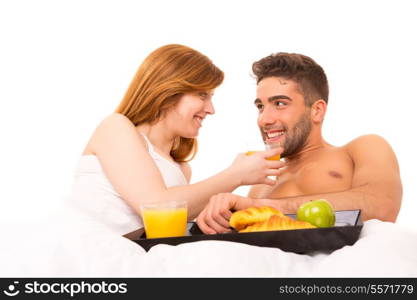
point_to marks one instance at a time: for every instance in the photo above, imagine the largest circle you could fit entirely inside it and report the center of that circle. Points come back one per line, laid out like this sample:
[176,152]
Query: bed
[72,244]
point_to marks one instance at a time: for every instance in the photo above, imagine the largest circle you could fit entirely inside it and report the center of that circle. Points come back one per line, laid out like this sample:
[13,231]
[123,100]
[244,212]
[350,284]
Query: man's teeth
[275,134]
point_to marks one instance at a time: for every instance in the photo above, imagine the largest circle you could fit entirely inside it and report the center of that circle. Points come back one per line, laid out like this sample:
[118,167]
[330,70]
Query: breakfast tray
[345,232]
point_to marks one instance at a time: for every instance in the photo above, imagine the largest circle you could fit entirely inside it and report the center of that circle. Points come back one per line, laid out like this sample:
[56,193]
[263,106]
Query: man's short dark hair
[297,67]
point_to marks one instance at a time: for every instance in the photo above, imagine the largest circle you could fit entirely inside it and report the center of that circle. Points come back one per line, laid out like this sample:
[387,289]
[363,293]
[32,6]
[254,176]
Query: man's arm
[376,186]
[376,190]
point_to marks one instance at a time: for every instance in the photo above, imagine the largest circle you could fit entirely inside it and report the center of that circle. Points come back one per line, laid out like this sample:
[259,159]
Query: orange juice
[275,157]
[165,222]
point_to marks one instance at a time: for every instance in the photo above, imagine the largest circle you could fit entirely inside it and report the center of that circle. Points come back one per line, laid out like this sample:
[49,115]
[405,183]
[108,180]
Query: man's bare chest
[326,174]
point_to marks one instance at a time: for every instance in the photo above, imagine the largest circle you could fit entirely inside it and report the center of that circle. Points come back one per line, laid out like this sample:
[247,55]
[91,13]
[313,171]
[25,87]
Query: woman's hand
[214,218]
[255,168]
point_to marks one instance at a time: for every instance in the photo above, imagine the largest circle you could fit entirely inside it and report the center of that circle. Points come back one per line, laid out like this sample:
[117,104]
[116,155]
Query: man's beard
[297,138]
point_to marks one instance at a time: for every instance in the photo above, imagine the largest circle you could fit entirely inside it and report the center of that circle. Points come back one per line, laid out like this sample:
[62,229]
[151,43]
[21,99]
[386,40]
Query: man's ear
[318,110]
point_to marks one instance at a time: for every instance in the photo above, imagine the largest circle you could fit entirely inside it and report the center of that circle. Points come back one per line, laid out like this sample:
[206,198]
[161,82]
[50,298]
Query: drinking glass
[164,218]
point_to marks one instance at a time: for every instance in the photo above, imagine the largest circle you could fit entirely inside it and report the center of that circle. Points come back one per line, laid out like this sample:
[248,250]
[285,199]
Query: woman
[141,152]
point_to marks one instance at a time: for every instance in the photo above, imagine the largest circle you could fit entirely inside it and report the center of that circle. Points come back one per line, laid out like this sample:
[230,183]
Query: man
[292,96]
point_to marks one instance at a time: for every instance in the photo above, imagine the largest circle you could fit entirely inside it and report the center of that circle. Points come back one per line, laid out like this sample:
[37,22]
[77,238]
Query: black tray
[345,232]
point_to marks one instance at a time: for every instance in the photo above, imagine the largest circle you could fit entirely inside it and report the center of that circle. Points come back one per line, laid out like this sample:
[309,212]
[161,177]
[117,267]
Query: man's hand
[215,216]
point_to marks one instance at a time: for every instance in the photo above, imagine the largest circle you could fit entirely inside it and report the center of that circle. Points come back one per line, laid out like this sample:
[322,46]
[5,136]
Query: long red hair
[163,77]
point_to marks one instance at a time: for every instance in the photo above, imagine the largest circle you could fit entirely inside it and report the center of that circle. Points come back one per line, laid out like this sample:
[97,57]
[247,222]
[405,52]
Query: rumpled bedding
[72,244]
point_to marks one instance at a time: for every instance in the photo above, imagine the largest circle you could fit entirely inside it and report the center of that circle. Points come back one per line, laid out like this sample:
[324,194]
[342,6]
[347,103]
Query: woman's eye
[203,95]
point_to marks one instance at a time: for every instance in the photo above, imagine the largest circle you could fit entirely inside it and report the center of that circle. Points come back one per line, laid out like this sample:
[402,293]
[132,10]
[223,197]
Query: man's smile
[273,136]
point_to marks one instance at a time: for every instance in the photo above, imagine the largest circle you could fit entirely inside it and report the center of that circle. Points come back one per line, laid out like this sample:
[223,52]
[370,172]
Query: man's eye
[279,103]
[259,106]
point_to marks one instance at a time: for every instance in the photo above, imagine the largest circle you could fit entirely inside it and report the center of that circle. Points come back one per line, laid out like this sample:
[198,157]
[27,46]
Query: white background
[65,65]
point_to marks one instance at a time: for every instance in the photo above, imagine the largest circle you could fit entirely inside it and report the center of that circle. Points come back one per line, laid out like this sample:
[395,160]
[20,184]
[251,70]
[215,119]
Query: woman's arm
[125,160]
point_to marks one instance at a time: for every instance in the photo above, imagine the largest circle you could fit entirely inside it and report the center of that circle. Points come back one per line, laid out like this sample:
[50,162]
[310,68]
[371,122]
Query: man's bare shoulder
[368,145]
[366,141]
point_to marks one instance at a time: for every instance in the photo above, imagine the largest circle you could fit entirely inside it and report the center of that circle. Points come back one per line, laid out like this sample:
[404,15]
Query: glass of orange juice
[272,146]
[256,146]
[164,218]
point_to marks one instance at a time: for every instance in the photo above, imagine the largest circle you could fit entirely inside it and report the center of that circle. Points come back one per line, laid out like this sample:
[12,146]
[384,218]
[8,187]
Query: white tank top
[93,193]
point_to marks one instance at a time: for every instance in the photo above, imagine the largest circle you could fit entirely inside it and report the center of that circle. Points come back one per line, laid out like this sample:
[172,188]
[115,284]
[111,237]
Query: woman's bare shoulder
[114,121]
[113,128]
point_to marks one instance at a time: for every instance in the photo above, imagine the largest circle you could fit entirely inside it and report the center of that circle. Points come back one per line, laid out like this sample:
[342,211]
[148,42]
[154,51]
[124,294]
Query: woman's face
[187,116]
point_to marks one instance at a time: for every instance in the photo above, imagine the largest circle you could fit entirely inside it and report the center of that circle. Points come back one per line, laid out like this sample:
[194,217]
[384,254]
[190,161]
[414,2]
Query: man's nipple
[335,174]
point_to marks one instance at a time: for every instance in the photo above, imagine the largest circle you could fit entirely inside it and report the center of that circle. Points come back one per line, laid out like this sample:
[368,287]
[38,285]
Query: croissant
[276,222]
[252,215]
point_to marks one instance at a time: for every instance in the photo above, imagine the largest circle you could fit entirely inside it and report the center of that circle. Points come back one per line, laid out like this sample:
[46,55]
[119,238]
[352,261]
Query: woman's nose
[209,108]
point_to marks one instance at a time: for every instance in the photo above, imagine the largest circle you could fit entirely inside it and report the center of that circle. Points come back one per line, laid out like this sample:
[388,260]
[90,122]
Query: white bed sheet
[71,244]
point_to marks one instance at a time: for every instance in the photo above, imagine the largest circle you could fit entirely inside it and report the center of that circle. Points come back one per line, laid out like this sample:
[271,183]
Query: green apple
[318,212]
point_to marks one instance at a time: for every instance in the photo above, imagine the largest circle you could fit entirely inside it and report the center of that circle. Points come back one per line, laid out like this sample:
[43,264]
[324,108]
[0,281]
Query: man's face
[283,117]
